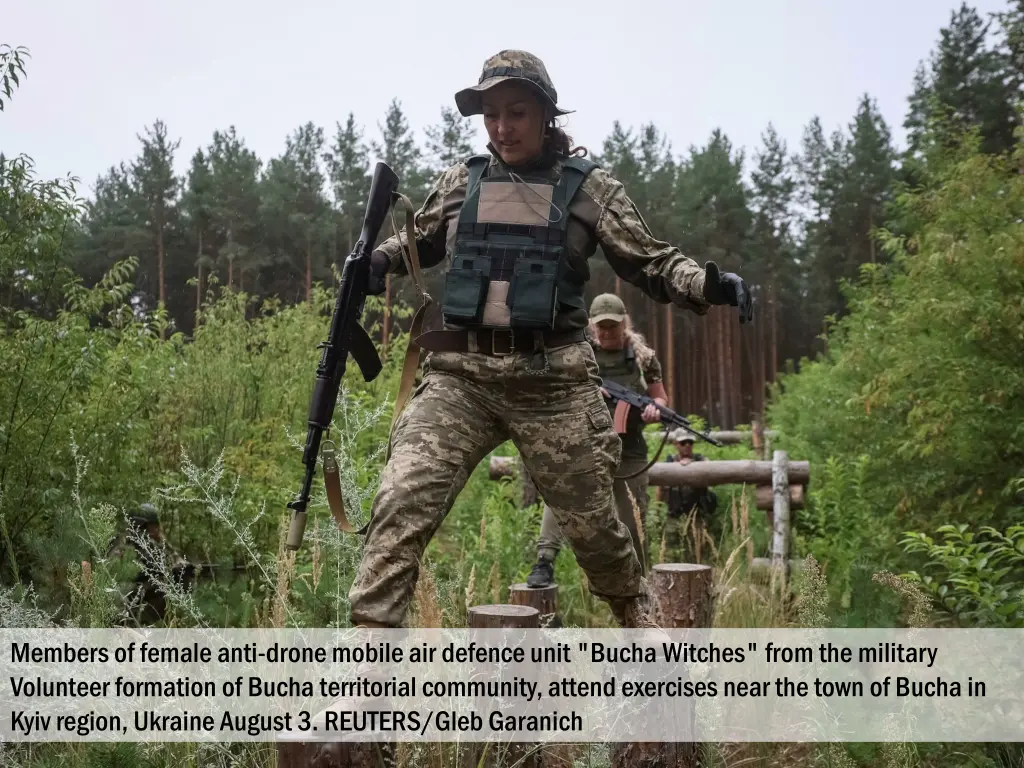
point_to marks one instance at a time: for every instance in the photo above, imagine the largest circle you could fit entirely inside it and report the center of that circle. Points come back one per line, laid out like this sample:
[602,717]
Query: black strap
[477,165]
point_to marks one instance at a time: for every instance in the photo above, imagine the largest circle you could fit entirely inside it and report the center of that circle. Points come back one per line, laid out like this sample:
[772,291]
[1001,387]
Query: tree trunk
[723,391]
[871,226]
[761,376]
[706,363]
[669,372]
[309,269]
[199,280]
[775,333]
[161,290]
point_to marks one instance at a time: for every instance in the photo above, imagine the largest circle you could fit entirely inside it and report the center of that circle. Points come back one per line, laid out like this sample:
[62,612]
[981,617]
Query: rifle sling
[412,351]
[332,484]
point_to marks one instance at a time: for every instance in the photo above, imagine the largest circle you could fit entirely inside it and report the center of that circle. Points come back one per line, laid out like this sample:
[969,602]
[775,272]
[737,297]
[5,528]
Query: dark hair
[560,142]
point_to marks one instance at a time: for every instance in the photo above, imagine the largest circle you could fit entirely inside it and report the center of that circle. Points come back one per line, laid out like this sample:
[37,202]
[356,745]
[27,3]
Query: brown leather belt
[495,341]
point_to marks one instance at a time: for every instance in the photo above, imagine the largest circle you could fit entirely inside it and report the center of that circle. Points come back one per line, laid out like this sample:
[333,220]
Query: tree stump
[503,616]
[682,597]
[501,754]
[544,599]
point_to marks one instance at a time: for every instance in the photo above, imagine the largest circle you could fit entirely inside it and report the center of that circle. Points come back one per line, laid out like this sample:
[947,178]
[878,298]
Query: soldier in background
[146,601]
[624,358]
[681,501]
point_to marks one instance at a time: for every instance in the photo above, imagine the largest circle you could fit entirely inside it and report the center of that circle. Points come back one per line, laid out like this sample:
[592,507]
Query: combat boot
[542,575]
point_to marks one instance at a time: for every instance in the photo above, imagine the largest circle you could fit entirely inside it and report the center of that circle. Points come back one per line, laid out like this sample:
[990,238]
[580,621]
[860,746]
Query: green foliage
[977,578]
[11,63]
[914,415]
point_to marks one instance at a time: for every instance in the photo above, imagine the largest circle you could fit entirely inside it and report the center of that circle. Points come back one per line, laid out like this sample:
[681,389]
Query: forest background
[159,334]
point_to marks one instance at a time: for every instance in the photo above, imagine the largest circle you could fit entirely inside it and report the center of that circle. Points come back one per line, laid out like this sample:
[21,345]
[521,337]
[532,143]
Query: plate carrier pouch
[510,264]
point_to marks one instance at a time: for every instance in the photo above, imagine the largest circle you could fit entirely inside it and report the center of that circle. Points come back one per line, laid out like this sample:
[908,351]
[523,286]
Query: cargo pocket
[598,415]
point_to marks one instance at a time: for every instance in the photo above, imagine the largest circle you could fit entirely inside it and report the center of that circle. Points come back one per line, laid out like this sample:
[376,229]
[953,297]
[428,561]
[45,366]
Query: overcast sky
[101,70]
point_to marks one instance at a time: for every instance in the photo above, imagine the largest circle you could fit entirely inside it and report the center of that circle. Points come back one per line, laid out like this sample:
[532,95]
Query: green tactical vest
[510,263]
[620,366]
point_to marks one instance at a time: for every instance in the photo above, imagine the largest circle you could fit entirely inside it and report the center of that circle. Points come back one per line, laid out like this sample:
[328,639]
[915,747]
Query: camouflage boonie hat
[607,306]
[504,66]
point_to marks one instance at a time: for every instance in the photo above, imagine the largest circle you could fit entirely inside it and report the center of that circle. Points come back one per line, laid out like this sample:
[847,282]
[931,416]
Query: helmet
[509,65]
[607,306]
[145,515]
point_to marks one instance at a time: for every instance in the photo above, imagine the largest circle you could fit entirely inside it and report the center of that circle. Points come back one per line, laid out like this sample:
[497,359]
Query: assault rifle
[627,398]
[346,337]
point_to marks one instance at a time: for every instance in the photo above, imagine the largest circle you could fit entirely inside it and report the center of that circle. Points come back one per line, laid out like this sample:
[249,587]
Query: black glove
[728,288]
[379,263]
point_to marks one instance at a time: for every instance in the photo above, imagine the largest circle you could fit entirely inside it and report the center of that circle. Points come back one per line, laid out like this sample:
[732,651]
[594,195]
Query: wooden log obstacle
[780,488]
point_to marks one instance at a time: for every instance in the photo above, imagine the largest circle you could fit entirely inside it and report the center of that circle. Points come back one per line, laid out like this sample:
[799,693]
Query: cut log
[520,754]
[704,474]
[502,466]
[682,595]
[544,599]
[699,474]
[503,616]
[738,436]
[765,498]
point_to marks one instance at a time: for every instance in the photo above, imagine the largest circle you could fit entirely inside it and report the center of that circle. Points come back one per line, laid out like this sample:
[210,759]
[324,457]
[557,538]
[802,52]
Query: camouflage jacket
[601,215]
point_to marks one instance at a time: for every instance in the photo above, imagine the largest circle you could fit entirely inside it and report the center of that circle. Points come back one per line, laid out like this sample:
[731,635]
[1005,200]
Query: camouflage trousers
[467,405]
[627,492]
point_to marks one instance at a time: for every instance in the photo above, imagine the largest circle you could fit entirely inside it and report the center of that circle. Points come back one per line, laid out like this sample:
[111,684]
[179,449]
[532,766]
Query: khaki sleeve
[657,268]
[429,223]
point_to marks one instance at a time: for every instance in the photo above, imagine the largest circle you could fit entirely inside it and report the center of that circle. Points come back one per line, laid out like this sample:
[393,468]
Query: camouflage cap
[607,306]
[509,65]
[681,436]
[145,514]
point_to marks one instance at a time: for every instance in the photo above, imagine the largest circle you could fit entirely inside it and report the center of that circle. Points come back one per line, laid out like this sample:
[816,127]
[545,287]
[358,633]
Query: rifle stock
[346,337]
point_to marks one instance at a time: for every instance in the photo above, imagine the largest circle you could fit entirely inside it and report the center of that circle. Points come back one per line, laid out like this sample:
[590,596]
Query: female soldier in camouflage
[510,360]
[622,357]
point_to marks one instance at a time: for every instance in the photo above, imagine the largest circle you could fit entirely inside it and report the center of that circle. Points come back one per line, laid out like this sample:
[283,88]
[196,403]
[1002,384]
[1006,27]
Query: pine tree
[294,204]
[449,141]
[157,188]
[968,85]
[235,173]
[398,149]
[772,195]
[198,204]
[348,168]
